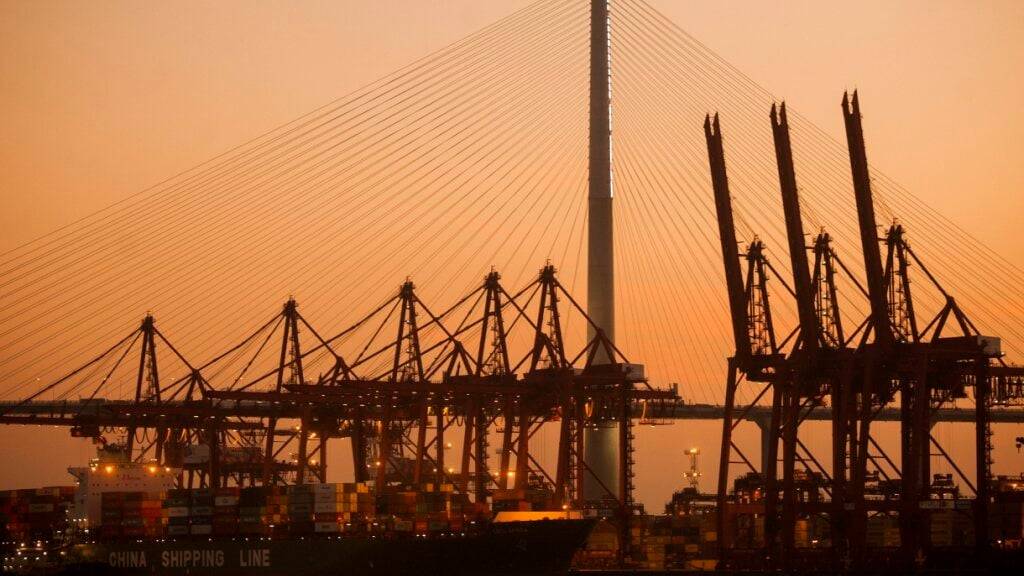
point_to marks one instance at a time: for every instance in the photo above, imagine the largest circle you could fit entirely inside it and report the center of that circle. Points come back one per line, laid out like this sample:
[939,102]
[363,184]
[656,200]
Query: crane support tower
[896,360]
[756,360]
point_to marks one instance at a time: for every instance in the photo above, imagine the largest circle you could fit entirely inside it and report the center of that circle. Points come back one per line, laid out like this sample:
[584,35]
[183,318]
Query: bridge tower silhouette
[601,445]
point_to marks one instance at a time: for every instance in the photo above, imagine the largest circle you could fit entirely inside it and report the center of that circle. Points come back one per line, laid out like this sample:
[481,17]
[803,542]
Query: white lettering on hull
[254,558]
[209,558]
[192,559]
[127,559]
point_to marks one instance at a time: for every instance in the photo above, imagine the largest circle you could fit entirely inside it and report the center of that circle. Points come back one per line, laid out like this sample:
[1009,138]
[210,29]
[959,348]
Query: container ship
[128,518]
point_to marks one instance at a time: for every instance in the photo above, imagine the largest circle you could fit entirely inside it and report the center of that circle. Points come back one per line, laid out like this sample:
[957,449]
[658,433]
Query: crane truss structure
[419,380]
[886,362]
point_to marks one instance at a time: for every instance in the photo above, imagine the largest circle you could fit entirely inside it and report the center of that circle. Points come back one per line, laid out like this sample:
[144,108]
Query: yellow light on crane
[109,469]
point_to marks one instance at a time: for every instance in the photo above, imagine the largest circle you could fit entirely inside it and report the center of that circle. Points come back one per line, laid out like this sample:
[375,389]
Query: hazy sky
[101,99]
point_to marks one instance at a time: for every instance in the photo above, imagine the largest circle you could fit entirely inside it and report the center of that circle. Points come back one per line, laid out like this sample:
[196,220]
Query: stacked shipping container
[431,508]
[35,513]
[226,512]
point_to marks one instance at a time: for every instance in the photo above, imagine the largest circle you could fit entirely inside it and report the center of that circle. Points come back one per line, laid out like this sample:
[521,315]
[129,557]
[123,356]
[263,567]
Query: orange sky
[102,99]
[99,100]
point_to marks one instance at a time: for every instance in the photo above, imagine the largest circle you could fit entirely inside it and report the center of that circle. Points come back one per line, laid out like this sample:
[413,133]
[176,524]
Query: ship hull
[520,548]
